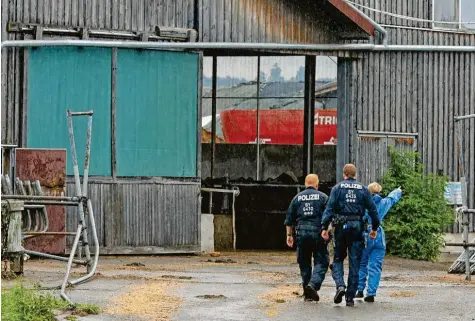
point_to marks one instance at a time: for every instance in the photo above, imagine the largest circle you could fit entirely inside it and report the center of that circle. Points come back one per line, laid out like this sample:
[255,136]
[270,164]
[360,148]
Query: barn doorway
[258,109]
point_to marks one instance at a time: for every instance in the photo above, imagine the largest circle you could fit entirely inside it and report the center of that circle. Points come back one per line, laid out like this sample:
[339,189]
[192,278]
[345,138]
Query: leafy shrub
[414,226]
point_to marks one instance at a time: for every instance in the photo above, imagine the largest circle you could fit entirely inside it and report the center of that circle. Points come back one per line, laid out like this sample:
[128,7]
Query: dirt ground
[253,286]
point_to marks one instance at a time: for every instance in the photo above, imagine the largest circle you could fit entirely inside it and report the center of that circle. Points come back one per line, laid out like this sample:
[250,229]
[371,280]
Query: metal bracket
[84,33]
[38,32]
[144,36]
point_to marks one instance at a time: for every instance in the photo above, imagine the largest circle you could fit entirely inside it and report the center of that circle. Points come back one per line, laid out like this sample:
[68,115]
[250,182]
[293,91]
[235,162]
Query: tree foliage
[414,227]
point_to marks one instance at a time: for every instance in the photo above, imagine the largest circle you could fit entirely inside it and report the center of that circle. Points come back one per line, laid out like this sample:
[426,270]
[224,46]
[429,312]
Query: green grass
[85,309]
[24,304]
[20,303]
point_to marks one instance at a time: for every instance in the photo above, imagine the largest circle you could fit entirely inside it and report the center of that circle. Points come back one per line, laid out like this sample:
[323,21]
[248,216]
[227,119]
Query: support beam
[309,114]
[258,121]
[213,113]
[343,121]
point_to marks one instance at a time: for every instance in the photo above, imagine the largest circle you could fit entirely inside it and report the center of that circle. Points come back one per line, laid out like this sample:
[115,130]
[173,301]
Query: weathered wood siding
[415,93]
[153,216]
[277,21]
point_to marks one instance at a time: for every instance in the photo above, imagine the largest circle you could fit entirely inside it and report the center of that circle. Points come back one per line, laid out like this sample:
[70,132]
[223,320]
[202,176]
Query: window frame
[458,21]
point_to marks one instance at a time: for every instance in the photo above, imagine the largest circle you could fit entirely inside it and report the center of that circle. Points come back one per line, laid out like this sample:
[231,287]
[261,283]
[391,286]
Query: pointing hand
[325,235]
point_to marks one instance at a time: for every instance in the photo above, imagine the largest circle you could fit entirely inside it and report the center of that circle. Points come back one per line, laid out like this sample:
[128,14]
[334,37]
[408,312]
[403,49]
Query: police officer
[305,215]
[346,207]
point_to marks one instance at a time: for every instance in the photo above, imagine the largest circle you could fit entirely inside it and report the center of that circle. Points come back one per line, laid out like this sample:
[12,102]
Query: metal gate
[372,152]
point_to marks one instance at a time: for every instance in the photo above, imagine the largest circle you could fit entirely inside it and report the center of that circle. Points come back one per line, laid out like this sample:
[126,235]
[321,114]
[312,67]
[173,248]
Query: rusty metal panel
[135,214]
[49,167]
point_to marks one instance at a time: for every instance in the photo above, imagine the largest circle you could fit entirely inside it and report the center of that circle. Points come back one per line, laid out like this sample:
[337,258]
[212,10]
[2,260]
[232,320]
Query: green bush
[414,226]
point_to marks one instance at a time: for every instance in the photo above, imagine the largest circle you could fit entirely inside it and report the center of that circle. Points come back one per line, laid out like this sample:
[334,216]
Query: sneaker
[350,303]
[359,295]
[340,292]
[369,298]
[310,291]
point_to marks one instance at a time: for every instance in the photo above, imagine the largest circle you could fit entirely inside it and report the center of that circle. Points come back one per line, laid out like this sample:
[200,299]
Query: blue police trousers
[312,245]
[348,241]
[372,265]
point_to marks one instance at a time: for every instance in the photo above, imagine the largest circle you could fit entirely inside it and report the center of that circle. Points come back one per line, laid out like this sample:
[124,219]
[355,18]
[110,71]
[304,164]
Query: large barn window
[258,105]
[461,12]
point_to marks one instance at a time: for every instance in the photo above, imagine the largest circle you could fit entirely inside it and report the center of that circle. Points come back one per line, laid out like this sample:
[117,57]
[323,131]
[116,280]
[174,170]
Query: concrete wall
[223,232]
[207,233]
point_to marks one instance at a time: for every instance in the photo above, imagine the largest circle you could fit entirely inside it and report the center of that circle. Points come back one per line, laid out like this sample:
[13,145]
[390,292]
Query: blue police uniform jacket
[306,209]
[350,198]
[383,206]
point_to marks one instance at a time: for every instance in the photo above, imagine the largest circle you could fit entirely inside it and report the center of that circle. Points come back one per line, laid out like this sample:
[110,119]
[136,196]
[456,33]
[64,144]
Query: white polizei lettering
[348,185]
[311,197]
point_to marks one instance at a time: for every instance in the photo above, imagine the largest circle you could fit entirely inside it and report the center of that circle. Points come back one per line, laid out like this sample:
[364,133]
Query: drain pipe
[377,26]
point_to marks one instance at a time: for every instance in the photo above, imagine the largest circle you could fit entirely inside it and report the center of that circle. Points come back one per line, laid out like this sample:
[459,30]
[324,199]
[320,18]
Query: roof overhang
[354,15]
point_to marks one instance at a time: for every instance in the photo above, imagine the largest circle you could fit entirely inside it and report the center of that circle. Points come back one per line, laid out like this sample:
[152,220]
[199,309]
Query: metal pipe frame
[383,133]
[70,263]
[53,203]
[33,206]
[377,26]
[92,269]
[54,257]
[458,118]
[41,198]
[233,46]
[77,182]
[462,244]
[48,233]
[218,190]
[82,113]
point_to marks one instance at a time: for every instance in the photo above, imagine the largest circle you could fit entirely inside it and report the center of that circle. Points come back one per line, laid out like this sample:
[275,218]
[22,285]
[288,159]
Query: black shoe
[340,292]
[369,298]
[305,295]
[359,295]
[311,292]
[350,303]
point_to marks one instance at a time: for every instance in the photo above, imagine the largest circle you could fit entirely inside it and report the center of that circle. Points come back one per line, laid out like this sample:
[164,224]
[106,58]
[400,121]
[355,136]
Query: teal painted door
[157,99]
[61,78]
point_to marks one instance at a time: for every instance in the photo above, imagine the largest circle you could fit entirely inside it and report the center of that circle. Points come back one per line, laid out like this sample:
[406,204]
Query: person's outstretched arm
[389,201]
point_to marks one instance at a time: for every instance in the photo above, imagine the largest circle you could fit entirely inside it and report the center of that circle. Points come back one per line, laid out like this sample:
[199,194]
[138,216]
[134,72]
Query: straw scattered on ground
[267,275]
[271,300]
[151,301]
[402,294]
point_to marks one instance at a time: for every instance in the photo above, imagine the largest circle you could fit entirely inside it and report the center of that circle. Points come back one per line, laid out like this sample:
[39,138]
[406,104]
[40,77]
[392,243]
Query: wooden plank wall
[418,92]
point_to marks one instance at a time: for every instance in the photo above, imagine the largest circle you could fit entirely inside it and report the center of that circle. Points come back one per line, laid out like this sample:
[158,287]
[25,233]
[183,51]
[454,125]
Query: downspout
[196,17]
[381,30]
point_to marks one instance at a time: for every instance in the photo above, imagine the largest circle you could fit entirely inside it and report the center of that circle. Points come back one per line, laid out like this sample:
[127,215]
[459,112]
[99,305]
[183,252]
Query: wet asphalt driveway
[254,286]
